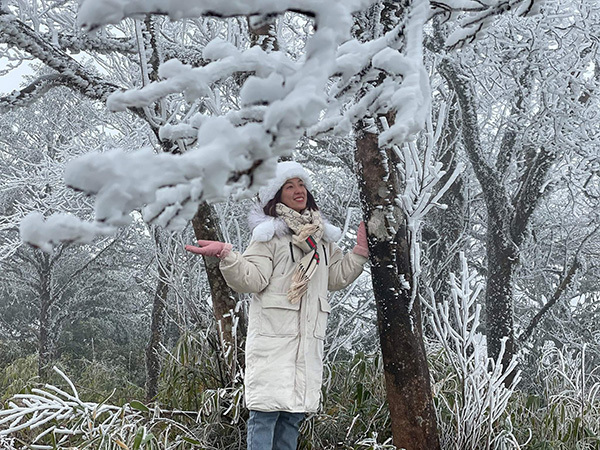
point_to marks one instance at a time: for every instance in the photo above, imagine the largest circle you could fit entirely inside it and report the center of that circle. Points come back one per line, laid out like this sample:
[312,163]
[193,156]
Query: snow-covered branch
[478,16]
[72,422]
[32,92]
[97,13]
[285,97]
[15,33]
[422,189]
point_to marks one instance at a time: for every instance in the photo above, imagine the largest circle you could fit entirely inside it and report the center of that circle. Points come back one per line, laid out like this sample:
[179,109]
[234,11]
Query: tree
[54,291]
[534,129]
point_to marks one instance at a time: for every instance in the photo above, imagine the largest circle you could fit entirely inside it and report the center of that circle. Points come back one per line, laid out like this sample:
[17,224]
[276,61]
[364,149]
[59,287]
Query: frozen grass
[51,418]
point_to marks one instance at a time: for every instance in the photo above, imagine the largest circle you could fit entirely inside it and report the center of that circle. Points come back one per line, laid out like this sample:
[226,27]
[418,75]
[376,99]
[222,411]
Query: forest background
[397,108]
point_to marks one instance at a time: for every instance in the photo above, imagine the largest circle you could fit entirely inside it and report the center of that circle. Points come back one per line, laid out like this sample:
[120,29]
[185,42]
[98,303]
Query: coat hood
[264,227]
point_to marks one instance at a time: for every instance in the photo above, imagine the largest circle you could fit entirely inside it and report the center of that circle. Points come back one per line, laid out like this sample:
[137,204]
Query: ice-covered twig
[422,190]
[75,423]
[64,410]
[480,395]
[477,16]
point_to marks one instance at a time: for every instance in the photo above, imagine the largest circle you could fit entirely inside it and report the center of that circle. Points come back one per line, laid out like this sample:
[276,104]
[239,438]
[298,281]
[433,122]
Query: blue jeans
[277,430]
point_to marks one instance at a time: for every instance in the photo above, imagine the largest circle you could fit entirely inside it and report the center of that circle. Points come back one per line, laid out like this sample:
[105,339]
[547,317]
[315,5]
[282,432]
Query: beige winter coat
[284,346]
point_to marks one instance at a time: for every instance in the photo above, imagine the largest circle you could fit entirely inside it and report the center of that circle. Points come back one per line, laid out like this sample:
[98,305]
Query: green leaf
[190,440]
[138,439]
[148,438]
[135,404]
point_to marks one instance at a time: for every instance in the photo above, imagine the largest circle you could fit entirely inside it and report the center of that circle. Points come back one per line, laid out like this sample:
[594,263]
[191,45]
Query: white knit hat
[284,171]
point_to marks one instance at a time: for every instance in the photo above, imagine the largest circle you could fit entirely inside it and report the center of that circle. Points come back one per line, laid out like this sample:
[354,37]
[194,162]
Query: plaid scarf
[308,232]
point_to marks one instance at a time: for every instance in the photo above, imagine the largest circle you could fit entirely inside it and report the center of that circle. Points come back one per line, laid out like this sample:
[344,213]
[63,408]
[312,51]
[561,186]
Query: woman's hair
[270,210]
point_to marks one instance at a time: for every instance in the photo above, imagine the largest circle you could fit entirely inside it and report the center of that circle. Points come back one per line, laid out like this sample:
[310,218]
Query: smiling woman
[289,266]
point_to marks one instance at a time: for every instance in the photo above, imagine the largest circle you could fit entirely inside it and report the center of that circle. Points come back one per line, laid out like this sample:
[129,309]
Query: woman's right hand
[210,248]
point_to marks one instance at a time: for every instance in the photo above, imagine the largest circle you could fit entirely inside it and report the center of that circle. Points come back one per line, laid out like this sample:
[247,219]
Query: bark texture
[398,320]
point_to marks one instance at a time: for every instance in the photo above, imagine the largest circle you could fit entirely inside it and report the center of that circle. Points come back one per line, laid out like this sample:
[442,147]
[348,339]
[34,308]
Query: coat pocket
[322,316]
[279,317]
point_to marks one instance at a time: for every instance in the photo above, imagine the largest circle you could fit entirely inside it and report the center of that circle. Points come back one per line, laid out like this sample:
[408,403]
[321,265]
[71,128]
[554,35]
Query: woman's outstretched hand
[210,248]
[361,247]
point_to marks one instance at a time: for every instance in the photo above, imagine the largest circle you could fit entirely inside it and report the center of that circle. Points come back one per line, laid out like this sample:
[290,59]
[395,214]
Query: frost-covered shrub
[470,389]
[51,418]
[564,413]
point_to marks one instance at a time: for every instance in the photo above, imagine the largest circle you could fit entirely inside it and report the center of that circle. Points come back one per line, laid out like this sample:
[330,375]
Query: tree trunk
[223,298]
[398,319]
[45,338]
[44,352]
[157,325]
[502,252]
[502,263]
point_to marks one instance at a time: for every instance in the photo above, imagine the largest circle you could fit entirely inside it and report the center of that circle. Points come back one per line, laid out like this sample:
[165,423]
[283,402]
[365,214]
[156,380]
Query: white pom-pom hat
[284,171]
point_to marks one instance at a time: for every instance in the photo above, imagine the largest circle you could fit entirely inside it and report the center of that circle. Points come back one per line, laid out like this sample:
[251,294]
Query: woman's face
[293,194]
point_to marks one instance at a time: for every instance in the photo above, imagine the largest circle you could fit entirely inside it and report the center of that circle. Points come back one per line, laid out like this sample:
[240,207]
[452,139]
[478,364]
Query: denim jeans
[277,430]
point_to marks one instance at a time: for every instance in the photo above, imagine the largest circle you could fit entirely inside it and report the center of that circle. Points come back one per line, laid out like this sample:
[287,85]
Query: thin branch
[32,92]
[565,283]
[196,12]
[16,34]
[562,287]
[75,274]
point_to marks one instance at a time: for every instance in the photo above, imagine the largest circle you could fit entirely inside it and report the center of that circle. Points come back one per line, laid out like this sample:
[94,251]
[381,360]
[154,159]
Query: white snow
[45,233]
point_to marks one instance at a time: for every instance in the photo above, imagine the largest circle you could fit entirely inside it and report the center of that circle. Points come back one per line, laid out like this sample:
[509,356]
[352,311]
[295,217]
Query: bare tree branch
[530,190]
[562,287]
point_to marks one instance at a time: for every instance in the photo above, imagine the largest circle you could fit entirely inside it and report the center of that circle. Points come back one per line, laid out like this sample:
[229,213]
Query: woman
[290,264]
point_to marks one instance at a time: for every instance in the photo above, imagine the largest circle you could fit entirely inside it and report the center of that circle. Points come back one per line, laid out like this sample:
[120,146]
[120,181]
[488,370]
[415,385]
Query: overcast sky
[12,80]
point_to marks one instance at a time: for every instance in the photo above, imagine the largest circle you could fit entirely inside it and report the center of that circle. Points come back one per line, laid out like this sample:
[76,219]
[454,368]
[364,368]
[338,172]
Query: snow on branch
[197,82]
[405,89]
[97,13]
[167,188]
[32,92]
[53,415]
[59,228]
[52,406]
[411,99]
[281,99]
[15,33]
[478,16]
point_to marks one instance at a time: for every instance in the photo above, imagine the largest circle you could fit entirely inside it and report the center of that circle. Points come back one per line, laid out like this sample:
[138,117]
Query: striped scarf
[308,232]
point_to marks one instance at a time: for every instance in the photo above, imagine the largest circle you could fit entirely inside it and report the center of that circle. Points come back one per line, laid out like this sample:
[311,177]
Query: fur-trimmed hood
[264,227]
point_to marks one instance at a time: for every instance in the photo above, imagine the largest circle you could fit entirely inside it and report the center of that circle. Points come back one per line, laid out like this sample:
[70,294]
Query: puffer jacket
[285,341]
